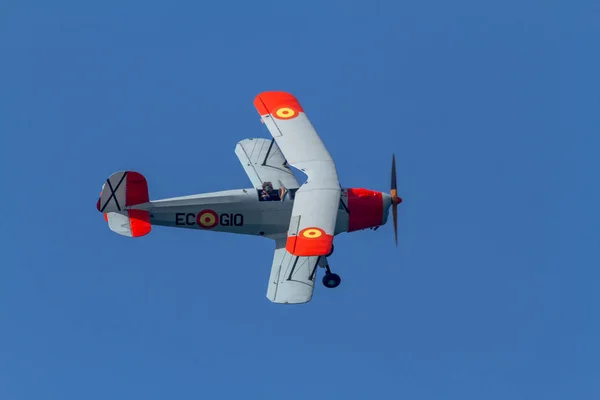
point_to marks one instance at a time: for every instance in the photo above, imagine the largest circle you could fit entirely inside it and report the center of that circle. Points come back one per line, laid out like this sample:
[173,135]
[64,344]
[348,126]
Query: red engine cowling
[366,209]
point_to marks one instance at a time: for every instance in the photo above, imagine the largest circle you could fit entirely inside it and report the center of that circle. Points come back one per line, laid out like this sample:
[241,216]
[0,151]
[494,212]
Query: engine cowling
[367,208]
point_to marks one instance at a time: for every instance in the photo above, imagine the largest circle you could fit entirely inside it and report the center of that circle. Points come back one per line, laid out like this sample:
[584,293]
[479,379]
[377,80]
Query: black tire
[331,280]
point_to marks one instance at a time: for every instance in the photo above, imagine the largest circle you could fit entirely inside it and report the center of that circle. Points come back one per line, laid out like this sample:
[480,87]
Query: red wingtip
[281,105]
[310,242]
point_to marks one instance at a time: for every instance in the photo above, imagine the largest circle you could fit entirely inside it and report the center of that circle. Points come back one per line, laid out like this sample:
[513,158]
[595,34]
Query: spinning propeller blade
[395,199]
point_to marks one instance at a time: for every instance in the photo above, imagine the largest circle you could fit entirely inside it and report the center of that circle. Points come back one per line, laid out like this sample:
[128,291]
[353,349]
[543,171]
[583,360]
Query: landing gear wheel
[331,280]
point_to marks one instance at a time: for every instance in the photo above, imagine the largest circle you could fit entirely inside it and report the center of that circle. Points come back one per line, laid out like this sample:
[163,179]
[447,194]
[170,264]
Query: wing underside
[292,279]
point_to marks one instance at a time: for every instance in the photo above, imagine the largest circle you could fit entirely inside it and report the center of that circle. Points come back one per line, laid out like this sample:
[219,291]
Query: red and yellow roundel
[312,233]
[207,219]
[285,113]
[311,241]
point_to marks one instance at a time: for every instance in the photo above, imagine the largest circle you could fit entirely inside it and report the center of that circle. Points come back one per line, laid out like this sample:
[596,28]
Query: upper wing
[263,162]
[314,214]
[292,278]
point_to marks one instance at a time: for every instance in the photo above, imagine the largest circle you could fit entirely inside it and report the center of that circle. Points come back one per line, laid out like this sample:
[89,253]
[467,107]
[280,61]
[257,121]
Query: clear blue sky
[491,109]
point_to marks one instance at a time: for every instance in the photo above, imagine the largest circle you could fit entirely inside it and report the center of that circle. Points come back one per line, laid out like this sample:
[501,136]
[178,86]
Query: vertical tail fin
[121,191]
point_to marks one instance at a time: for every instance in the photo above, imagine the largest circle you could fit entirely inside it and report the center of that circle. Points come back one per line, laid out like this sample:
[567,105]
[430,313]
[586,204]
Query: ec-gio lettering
[225,219]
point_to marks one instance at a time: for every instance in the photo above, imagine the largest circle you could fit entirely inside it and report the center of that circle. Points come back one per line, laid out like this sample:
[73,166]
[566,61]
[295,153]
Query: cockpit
[269,193]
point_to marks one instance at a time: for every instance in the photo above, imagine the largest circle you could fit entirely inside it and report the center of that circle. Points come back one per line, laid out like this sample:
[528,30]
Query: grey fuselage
[239,211]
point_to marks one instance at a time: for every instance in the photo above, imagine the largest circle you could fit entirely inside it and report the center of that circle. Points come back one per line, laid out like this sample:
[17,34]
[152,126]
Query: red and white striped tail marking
[121,191]
[131,223]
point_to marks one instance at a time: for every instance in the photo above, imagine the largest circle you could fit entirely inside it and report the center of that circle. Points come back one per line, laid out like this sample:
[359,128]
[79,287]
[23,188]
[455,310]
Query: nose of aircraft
[387,202]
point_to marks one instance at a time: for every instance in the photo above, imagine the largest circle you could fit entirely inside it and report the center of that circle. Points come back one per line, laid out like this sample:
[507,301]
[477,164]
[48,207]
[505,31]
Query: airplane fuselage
[244,211]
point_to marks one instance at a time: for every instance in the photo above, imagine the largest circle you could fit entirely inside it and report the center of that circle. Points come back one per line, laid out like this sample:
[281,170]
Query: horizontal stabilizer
[131,223]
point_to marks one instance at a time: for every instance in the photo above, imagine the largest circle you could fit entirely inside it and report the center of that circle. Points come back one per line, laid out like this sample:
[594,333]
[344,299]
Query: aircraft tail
[121,191]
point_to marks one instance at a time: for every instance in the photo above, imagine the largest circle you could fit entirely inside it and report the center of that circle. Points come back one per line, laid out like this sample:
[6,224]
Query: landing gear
[331,280]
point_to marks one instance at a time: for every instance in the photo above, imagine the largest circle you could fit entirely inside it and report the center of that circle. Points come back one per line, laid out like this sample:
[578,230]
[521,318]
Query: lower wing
[292,278]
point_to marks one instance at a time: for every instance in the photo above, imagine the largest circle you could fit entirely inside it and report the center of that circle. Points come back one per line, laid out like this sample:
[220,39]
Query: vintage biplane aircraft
[301,219]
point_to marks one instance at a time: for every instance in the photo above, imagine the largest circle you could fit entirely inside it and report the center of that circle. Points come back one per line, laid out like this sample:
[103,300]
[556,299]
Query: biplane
[302,220]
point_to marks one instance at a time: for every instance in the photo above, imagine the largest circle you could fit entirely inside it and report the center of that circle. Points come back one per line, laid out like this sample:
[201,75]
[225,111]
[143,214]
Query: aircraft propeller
[395,199]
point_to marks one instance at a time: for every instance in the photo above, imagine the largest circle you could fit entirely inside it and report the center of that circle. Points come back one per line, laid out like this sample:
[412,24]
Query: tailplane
[120,192]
